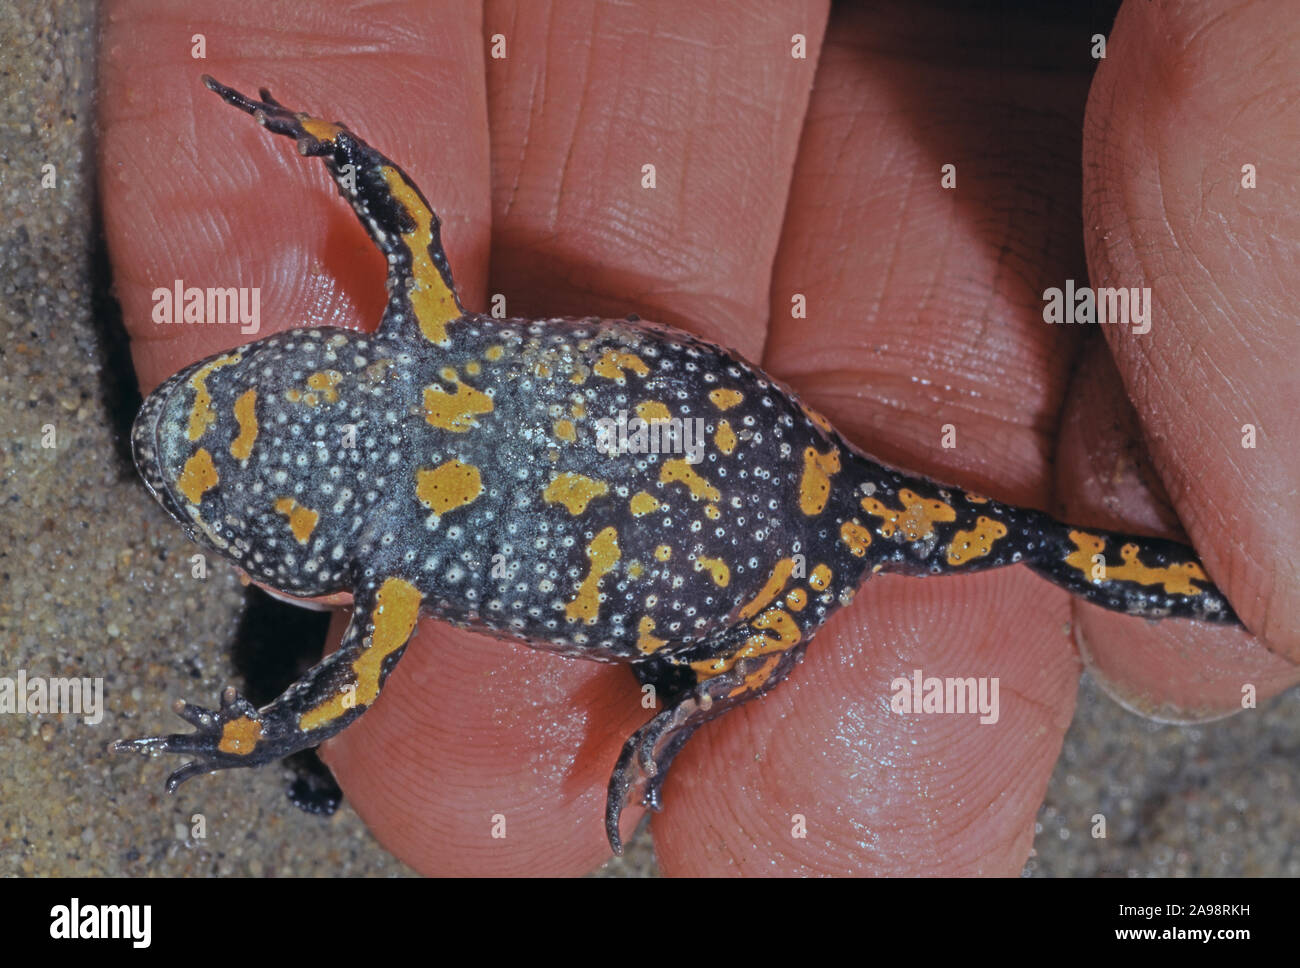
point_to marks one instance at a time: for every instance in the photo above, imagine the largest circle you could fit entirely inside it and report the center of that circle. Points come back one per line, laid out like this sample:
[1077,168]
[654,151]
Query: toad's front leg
[332,694]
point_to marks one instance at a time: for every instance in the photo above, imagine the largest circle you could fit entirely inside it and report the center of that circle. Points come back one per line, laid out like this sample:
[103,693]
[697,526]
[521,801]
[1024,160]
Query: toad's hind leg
[694,688]
[326,699]
[421,294]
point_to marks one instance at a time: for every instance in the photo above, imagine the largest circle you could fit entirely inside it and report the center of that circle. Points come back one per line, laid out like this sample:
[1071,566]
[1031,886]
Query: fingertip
[823,777]
[487,758]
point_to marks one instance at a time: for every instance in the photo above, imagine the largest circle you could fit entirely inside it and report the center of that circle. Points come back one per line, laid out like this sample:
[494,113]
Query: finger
[823,779]
[924,311]
[576,232]
[1175,113]
[486,758]
[1174,671]
[194,191]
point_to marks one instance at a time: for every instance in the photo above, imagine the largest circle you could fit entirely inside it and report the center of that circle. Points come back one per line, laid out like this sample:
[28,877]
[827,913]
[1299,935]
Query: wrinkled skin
[924,310]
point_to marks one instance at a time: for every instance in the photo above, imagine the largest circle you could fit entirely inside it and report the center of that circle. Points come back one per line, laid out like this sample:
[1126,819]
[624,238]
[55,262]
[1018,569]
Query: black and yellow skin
[461,467]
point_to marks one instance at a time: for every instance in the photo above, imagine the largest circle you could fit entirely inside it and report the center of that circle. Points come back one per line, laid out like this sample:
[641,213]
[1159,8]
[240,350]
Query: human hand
[925,309]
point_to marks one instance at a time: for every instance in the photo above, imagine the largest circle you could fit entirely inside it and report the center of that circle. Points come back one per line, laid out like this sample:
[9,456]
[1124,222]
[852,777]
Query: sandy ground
[96,583]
